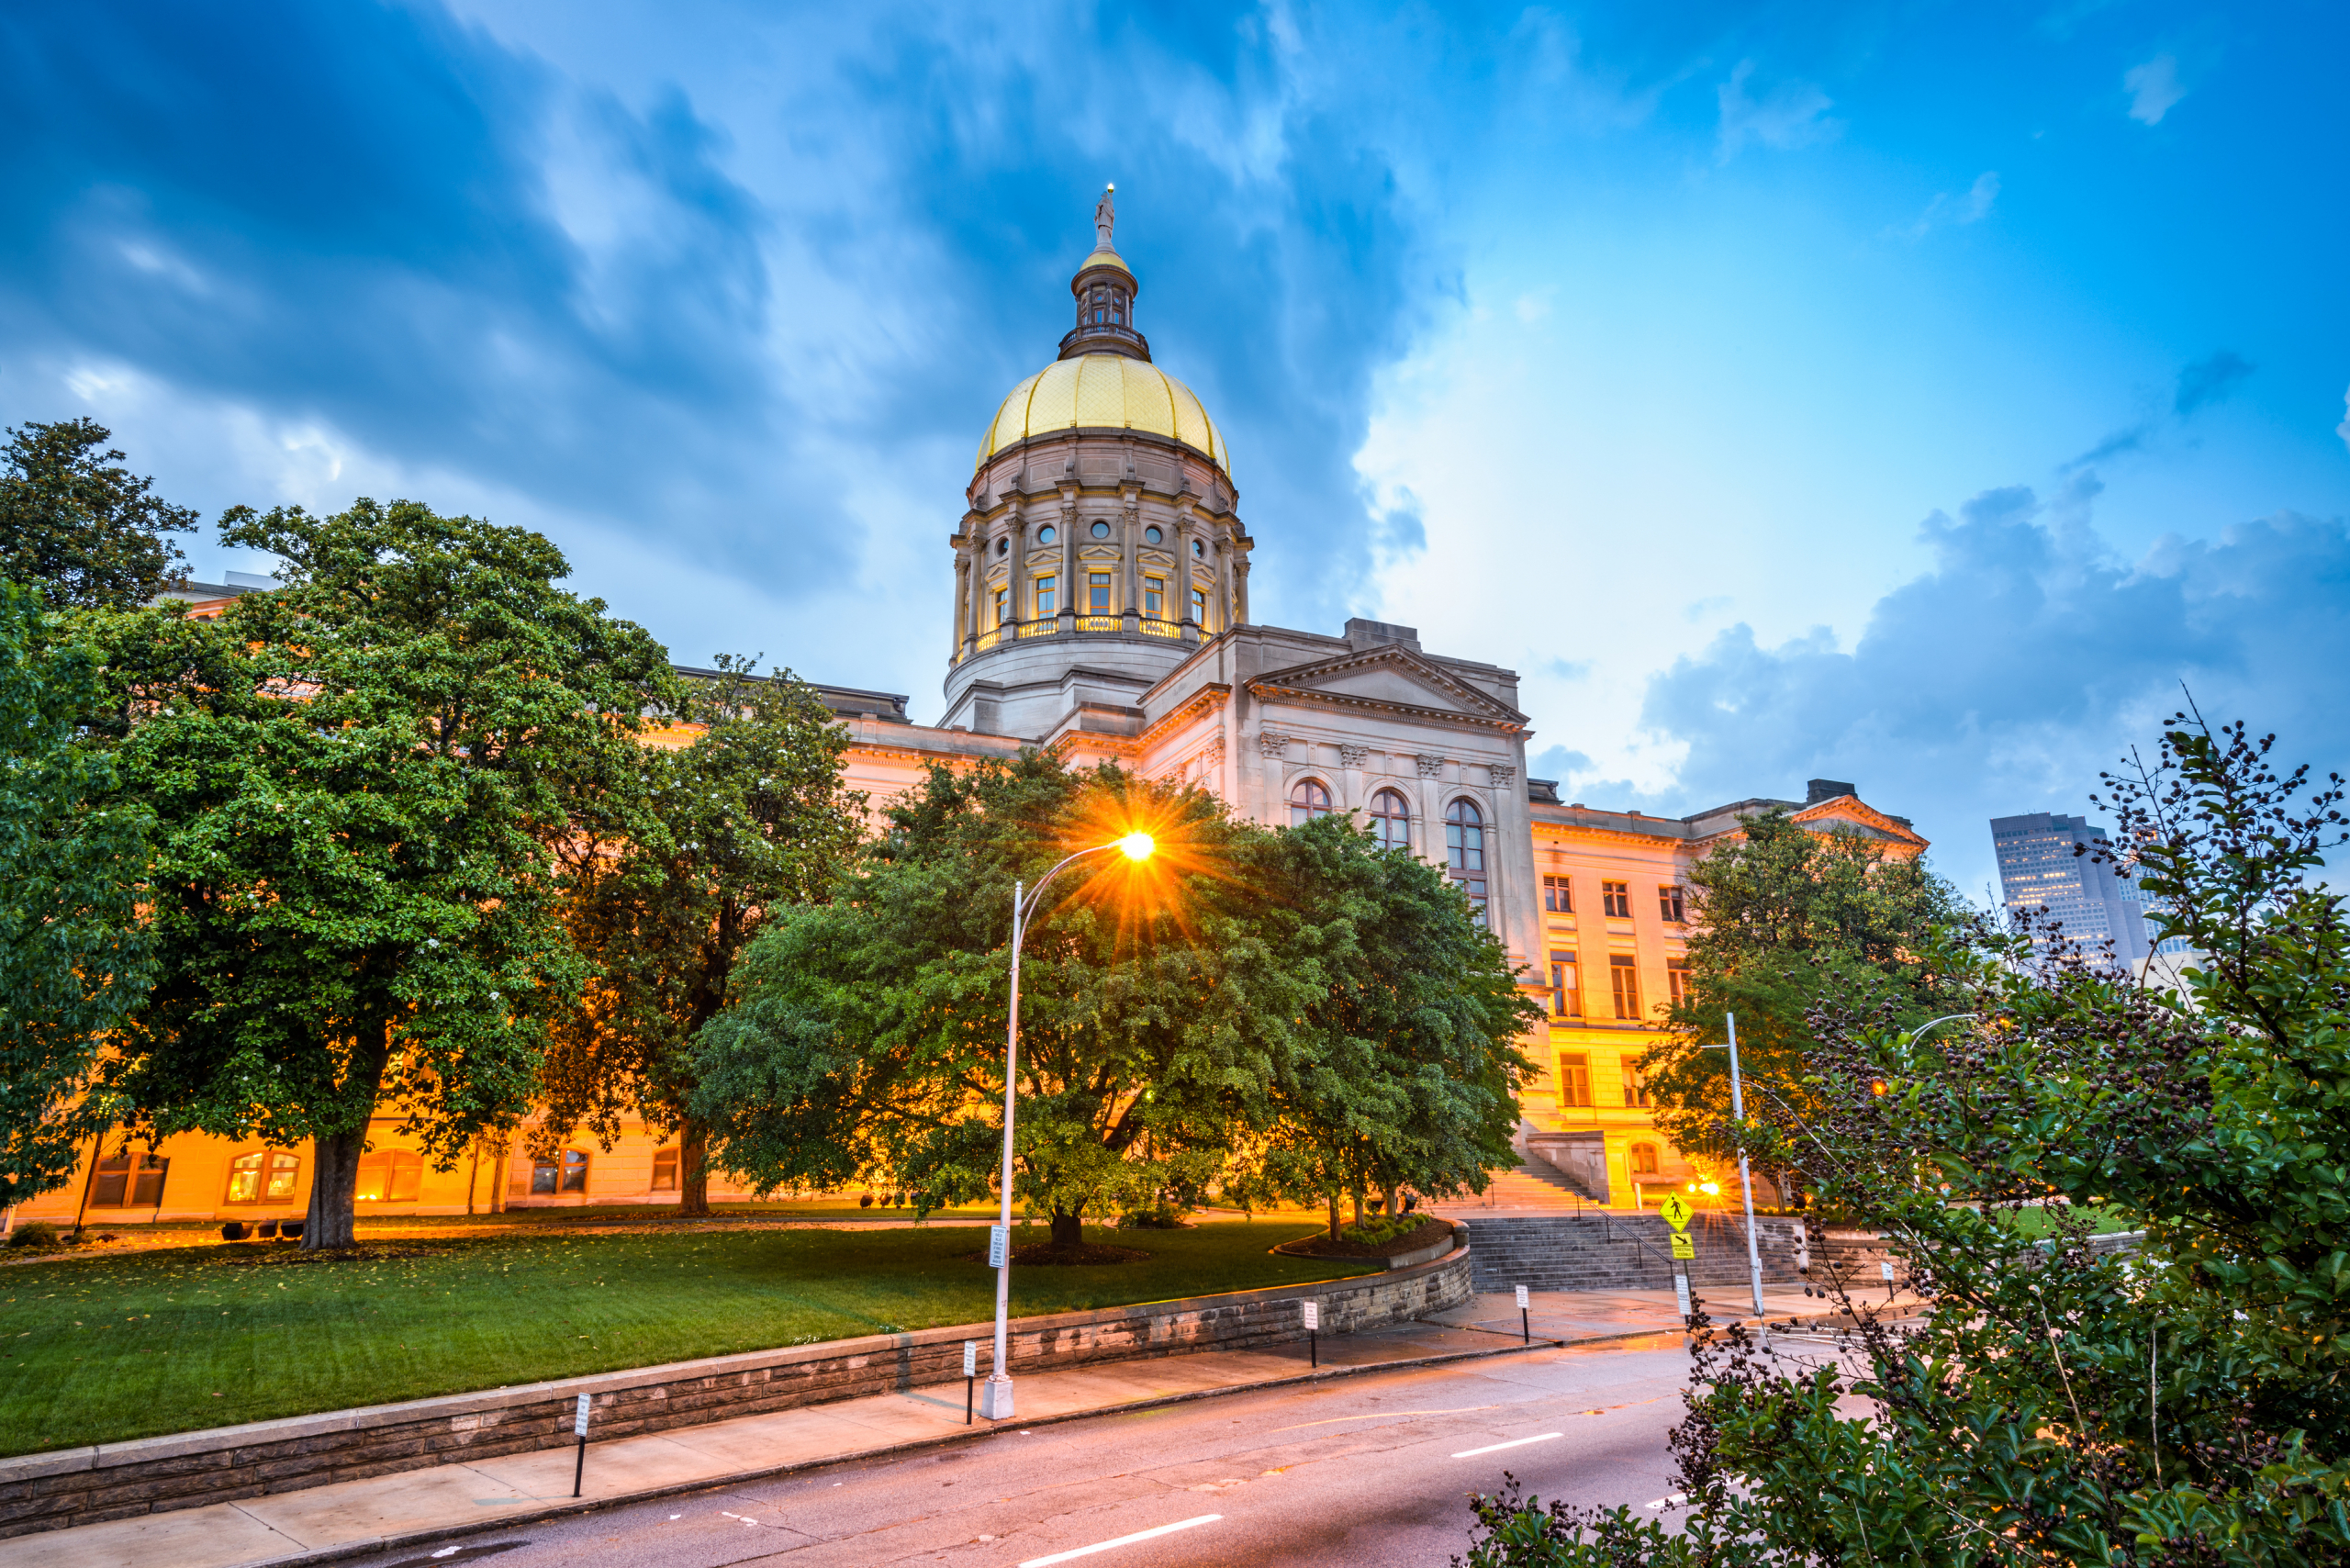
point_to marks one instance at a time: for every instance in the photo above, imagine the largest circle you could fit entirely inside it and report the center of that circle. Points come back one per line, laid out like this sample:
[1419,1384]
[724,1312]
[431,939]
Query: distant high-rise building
[2041,866]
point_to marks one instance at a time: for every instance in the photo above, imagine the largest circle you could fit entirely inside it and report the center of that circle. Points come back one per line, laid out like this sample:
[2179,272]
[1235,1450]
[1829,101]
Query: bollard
[579,1426]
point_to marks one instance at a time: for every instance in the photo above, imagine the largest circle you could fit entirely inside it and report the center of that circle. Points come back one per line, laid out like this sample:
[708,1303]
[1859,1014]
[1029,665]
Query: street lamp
[1745,1180]
[995,1396]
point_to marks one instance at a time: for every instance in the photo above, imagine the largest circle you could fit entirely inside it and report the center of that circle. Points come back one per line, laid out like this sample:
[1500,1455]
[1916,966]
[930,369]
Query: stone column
[962,603]
[1351,760]
[1022,609]
[1130,550]
[1239,575]
[1431,813]
[1069,548]
[1272,746]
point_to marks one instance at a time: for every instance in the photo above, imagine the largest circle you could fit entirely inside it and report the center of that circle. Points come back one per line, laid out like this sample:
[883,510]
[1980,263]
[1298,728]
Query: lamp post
[1745,1179]
[995,1395]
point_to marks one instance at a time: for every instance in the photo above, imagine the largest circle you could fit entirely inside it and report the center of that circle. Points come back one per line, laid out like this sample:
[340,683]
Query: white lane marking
[1121,1541]
[1516,1443]
[1669,1500]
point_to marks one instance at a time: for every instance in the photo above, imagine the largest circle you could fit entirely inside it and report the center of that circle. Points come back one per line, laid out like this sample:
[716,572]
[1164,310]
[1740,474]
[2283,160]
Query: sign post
[1313,1328]
[1525,1322]
[1676,1212]
[970,1376]
[579,1428]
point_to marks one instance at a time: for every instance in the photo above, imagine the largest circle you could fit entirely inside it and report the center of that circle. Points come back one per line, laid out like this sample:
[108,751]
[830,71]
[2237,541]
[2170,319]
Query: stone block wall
[1599,1252]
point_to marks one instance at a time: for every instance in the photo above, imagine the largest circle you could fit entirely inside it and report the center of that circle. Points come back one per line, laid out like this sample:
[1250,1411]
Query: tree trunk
[1357,1197]
[693,1171]
[1393,1194]
[334,1157]
[1332,1196]
[1069,1229]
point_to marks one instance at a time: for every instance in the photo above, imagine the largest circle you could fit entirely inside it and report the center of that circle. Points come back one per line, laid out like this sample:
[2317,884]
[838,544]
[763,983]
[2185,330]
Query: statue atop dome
[1105,218]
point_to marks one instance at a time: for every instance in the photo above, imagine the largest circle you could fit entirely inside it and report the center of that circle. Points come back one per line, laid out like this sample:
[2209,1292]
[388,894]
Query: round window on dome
[1152,535]
[1101,531]
[1046,534]
[1003,545]
[1198,547]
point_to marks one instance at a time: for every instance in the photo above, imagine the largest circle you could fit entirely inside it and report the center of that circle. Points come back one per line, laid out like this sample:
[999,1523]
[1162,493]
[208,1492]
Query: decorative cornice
[1266,690]
[1397,655]
[1504,774]
[1208,697]
[1430,766]
[1271,743]
[1352,756]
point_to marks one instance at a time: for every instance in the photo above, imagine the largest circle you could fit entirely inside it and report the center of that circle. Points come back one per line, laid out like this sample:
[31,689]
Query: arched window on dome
[1309,798]
[1391,820]
[1464,852]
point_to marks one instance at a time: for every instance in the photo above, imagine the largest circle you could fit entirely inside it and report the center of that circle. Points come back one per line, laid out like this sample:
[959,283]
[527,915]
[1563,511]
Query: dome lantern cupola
[1105,290]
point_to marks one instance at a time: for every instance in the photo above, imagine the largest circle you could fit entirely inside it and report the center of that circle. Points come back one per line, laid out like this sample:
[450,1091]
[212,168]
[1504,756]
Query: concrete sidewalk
[420,1507]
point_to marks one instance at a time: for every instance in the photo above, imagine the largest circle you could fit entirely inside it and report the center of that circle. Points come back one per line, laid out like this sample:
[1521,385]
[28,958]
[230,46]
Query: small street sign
[1313,1315]
[1681,1289]
[1675,1210]
[1521,1298]
[998,1245]
[1683,1246]
[970,1358]
[579,1419]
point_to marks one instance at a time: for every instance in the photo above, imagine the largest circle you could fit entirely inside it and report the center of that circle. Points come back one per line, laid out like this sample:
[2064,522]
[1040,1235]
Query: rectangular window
[1668,904]
[665,1170]
[390,1176]
[268,1176]
[1557,895]
[1097,589]
[1047,598]
[1676,977]
[1623,975]
[1636,1088]
[1200,609]
[1002,605]
[1574,1078]
[129,1181]
[1615,900]
[566,1173]
[1566,993]
[1153,598]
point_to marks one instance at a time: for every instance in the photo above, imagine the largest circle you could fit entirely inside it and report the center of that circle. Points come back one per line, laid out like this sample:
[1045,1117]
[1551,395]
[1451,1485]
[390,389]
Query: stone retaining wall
[112,1481]
[1597,1251]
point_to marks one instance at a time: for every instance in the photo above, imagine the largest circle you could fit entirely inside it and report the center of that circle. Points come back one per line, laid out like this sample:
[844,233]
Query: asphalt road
[1364,1472]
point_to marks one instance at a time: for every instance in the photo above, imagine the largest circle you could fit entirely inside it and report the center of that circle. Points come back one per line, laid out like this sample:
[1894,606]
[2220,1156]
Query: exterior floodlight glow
[1137,846]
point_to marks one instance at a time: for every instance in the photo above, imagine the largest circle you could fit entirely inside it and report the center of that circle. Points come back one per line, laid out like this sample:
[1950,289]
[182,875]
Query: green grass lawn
[2039,1221]
[99,1350]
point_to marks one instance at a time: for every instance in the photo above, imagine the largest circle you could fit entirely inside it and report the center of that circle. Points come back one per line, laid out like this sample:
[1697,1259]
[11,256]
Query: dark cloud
[2026,659]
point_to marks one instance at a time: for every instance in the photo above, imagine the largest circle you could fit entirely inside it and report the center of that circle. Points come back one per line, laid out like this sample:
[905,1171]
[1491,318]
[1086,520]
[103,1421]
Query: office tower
[2040,867]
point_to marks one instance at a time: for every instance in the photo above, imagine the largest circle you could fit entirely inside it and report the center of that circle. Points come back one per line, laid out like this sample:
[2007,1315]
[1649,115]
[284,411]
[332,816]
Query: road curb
[570,1507]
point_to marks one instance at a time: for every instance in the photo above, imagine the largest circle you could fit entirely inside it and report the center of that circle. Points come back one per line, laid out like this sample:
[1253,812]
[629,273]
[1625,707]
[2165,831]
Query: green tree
[90,533]
[1408,1070]
[1788,918]
[695,853]
[2188,1405]
[359,782]
[73,956]
[866,1036]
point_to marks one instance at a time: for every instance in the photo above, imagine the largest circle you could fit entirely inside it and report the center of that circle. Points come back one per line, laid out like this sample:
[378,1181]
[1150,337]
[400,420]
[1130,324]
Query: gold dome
[1104,391]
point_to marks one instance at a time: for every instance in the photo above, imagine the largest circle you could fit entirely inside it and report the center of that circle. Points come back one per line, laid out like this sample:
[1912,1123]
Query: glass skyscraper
[2040,868]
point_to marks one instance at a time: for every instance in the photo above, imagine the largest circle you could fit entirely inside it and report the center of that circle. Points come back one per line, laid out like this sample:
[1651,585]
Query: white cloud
[1793,114]
[2343,430]
[1956,211]
[2154,87]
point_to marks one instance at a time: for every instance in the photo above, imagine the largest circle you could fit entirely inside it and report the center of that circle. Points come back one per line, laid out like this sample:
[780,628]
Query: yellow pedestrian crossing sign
[1675,1210]
[1683,1246]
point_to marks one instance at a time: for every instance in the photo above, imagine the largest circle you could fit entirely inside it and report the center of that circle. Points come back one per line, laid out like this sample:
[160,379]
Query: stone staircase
[1603,1251]
[1534,1186]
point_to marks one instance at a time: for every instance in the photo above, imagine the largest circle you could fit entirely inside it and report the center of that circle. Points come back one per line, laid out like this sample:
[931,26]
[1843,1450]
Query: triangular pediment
[1389,676]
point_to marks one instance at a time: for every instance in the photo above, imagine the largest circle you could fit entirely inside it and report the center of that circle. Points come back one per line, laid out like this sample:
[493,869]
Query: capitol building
[1099,574]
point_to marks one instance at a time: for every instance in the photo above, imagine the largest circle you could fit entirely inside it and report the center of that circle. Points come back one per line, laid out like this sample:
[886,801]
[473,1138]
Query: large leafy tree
[697,849]
[2188,1405]
[1788,918]
[74,959]
[359,783]
[1409,1065]
[73,519]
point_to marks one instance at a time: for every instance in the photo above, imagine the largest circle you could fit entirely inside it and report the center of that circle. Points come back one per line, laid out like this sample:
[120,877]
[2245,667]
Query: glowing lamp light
[1137,846]
[1711,1189]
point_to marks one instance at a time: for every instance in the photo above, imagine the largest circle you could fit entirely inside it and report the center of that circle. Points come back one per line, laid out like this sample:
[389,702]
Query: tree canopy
[1170,1012]
[695,850]
[73,522]
[74,959]
[2183,1402]
[1788,918]
[358,782]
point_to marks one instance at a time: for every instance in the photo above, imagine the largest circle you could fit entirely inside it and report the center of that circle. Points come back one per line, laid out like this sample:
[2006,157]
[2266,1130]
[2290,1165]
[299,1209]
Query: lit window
[1557,895]
[1153,598]
[1101,531]
[1002,605]
[1636,1093]
[265,1176]
[665,1170]
[1644,1161]
[1566,989]
[1624,974]
[1046,534]
[1200,608]
[1464,852]
[570,1175]
[122,1185]
[1676,976]
[1574,1078]
[1097,589]
[1391,821]
[1616,899]
[389,1176]
[1047,598]
[1668,902]
[1152,535]
[1307,801]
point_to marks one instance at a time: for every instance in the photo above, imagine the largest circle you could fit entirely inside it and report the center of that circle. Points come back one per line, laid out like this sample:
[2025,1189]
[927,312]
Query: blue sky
[1910,394]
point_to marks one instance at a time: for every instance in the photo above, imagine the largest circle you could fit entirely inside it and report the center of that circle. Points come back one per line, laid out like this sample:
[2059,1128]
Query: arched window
[1644,1160]
[1391,821]
[1464,852]
[1308,800]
